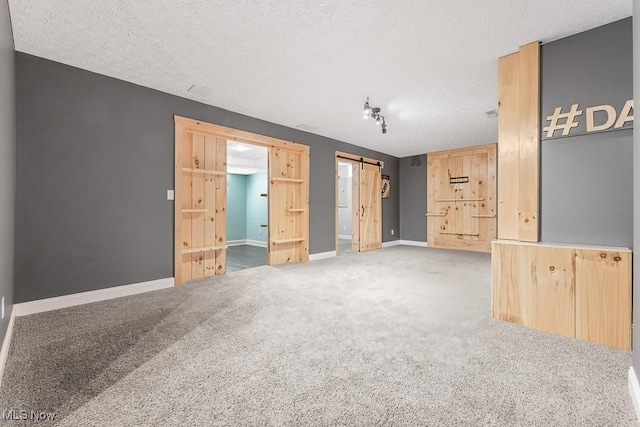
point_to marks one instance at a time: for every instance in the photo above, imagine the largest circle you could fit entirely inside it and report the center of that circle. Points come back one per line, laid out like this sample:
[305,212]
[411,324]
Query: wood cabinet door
[370,207]
[461,209]
[603,297]
[288,206]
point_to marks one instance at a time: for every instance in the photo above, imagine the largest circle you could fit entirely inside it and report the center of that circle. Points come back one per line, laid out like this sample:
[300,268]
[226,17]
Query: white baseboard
[247,242]
[390,244]
[56,303]
[413,243]
[344,236]
[256,243]
[322,255]
[634,391]
[6,343]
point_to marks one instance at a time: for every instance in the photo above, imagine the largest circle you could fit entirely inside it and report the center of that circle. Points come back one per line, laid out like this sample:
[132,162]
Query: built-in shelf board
[460,200]
[283,241]
[205,249]
[195,210]
[483,216]
[295,180]
[297,210]
[428,214]
[203,171]
[459,233]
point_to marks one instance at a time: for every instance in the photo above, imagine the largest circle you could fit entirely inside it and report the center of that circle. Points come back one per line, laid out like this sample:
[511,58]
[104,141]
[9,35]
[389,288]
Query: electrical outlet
[392,231]
[344,227]
[170,195]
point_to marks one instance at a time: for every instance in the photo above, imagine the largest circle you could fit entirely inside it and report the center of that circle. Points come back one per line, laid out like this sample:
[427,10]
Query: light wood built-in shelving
[295,180]
[203,171]
[297,210]
[205,249]
[460,200]
[459,233]
[428,214]
[483,216]
[283,241]
[195,210]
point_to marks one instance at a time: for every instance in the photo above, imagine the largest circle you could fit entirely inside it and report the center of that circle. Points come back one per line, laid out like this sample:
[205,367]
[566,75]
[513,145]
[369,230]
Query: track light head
[374,113]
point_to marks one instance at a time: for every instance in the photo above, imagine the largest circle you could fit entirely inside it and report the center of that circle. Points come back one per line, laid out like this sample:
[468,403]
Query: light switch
[170,195]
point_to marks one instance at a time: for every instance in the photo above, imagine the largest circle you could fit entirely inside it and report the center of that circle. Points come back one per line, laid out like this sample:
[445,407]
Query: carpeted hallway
[398,336]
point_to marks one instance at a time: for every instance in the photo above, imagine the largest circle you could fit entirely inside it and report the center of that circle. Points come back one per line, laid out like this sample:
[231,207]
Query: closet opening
[247,205]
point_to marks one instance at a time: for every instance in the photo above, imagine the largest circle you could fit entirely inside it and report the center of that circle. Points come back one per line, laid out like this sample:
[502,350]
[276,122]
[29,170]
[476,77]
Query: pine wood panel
[288,206]
[197,202]
[508,146]
[463,217]
[603,297]
[220,203]
[534,286]
[186,259]
[370,207]
[529,142]
[355,207]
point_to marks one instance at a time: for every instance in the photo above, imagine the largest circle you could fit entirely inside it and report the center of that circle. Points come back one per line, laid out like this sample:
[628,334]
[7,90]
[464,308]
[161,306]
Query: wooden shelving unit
[195,210]
[460,200]
[294,180]
[205,249]
[297,210]
[203,171]
[283,241]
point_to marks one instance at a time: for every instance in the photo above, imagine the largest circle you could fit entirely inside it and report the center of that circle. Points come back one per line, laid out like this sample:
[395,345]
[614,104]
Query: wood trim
[476,149]
[177,204]
[236,134]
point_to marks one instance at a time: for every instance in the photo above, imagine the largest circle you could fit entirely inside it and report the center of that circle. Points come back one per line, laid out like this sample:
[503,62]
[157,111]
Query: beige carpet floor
[398,336]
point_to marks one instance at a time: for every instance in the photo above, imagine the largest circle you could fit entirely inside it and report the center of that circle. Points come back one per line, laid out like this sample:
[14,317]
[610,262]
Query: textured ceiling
[246,159]
[430,65]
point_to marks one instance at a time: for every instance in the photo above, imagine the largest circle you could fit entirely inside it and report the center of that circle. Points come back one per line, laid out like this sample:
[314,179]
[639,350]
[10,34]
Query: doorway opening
[345,207]
[247,205]
[358,207]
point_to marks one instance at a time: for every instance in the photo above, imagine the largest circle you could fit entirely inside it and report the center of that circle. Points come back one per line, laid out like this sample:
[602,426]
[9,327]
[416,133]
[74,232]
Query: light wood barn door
[461,208]
[288,206]
[370,207]
[201,199]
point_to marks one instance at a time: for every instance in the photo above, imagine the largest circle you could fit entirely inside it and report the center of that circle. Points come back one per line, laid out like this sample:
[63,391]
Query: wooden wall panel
[461,216]
[582,292]
[355,207]
[529,142]
[508,146]
[603,297]
[519,144]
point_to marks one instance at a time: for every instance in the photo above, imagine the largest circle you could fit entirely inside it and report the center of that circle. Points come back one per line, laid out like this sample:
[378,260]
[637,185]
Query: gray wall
[586,181]
[94,161]
[7,163]
[636,192]
[413,198]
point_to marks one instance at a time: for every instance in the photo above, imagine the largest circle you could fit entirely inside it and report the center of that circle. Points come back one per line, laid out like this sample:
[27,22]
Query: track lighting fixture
[374,113]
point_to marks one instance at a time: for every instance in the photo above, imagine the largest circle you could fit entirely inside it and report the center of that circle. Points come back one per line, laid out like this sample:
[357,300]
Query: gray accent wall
[95,158]
[587,180]
[7,164]
[636,194]
[413,198]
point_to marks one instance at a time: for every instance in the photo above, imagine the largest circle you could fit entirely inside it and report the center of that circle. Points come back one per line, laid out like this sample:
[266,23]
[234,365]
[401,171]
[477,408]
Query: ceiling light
[374,113]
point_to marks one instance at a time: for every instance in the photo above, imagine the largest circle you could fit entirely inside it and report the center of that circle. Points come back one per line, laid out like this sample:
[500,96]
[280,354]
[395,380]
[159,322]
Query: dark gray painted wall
[636,193]
[413,198]
[7,163]
[94,161]
[586,181]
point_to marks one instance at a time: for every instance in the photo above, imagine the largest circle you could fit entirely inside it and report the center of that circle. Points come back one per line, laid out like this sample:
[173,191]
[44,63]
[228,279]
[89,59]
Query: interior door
[370,207]
[288,206]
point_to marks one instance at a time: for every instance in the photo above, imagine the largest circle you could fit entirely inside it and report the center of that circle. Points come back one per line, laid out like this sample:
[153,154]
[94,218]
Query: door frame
[342,156]
[184,124]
